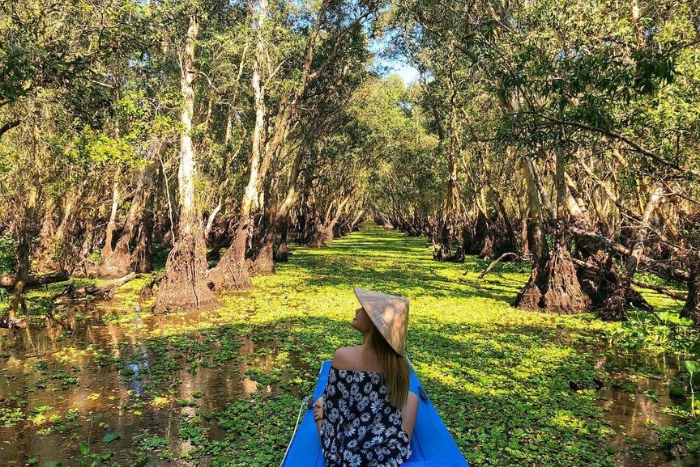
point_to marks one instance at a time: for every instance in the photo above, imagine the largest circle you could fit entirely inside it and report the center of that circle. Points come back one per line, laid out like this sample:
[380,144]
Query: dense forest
[547,156]
[565,134]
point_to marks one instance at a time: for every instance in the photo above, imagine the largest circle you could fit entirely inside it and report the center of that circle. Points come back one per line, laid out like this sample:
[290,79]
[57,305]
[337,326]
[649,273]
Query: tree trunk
[10,282]
[484,236]
[25,229]
[105,290]
[23,253]
[184,285]
[112,224]
[313,226]
[282,255]
[525,241]
[448,219]
[231,272]
[510,244]
[119,261]
[614,307]
[264,260]
[691,309]
[45,251]
[141,256]
[530,297]
[553,288]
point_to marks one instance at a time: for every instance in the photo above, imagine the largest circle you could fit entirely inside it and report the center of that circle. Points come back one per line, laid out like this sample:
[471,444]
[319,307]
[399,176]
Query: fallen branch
[494,263]
[646,285]
[8,282]
[105,290]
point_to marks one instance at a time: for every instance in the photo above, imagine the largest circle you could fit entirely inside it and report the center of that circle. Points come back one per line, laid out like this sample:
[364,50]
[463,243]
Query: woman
[366,415]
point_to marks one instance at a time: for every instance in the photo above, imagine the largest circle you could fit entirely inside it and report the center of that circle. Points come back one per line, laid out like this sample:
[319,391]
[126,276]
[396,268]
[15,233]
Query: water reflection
[629,410]
[69,365]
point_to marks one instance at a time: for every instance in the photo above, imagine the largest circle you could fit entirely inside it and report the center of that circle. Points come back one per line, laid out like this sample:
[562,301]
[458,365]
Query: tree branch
[637,147]
[8,126]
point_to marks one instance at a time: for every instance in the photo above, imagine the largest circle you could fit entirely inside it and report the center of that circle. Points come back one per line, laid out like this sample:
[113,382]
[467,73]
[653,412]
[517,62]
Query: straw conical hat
[389,314]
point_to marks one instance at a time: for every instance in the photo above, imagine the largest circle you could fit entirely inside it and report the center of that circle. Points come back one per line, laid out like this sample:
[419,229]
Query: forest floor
[223,388]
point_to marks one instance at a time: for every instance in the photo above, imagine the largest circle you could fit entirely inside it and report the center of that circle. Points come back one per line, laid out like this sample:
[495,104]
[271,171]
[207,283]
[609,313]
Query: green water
[223,388]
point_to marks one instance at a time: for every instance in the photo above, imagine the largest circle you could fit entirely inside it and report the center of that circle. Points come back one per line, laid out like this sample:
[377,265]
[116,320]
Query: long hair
[394,368]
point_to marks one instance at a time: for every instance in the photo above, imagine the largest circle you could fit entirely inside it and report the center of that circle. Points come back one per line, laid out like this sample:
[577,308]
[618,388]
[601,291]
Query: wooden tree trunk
[141,256]
[23,253]
[615,306]
[525,241]
[282,255]
[448,218]
[184,285]
[264,262]
[45,249]
[563,294]
[554,288]
[509,244]
[691,309]
[484,236]
[112,224]
[25,229]
[530,297]
[119,261]
[232,272]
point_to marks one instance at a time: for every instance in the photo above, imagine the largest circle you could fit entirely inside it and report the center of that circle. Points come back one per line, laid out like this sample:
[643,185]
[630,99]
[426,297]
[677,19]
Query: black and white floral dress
[361,428]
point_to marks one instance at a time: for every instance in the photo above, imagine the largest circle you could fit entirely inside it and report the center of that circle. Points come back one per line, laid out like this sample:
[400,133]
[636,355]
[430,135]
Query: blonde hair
[394,368]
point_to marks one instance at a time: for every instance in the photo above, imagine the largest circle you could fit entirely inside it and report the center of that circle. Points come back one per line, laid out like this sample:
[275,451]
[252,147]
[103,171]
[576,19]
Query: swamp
[191,189]
[223,387]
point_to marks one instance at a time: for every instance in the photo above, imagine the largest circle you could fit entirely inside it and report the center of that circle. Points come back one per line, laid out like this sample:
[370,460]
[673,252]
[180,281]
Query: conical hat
[389,314]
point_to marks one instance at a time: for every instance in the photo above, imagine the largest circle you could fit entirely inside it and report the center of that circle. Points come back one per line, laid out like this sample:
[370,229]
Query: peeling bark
[184,286]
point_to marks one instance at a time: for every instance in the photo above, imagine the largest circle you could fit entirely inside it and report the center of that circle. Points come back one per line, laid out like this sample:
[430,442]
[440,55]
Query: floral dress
[361,428]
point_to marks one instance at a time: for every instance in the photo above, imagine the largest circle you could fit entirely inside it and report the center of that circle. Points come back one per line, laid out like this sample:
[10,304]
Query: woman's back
[360,426]
[359,358]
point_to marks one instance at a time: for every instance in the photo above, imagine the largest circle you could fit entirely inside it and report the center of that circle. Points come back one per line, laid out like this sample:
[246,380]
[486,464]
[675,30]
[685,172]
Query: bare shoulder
[344,357]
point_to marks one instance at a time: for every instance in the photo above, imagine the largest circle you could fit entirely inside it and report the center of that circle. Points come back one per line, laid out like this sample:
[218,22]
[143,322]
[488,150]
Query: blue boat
[431,443]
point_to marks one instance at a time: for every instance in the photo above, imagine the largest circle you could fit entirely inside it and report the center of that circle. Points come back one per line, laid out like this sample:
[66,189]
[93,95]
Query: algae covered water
[223,388]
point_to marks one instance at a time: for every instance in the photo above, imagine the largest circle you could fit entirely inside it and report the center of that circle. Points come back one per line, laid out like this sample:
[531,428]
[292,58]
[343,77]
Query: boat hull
[431,443]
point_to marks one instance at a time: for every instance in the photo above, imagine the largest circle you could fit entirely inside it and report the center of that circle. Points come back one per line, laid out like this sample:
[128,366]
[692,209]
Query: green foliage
[7,255]
[655,333]
[10,417]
